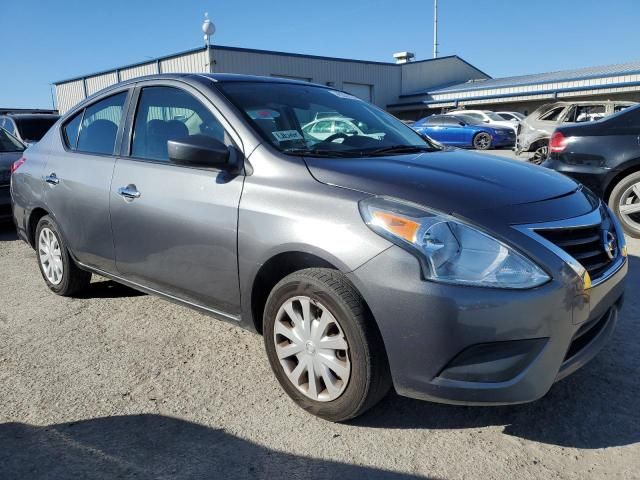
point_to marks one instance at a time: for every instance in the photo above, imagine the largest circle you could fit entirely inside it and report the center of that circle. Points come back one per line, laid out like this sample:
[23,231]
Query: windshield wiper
[400,149]
[315,152]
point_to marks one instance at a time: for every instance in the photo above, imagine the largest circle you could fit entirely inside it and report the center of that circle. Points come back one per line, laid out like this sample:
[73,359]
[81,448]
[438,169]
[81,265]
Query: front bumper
[467,345]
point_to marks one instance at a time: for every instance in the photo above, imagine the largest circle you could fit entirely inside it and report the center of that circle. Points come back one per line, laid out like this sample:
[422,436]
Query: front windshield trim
[285,112]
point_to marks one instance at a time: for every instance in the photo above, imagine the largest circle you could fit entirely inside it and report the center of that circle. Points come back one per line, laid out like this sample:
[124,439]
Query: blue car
[464,131]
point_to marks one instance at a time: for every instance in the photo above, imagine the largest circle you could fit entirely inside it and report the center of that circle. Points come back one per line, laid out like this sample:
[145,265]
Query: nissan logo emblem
[610,244]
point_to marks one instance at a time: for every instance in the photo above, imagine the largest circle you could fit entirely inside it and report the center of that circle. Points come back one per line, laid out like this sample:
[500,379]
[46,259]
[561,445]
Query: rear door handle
[52,179]
[129,192]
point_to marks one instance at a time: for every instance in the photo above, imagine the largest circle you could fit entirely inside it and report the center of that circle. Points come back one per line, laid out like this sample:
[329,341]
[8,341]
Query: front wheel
[322,345]
[482,141]
[625,203]
[58,269]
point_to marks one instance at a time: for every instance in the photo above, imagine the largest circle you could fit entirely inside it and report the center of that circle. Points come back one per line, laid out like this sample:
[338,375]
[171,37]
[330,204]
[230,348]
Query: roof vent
[404,57]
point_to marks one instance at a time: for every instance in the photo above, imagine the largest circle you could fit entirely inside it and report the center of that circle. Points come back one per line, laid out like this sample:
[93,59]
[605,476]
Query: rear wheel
[58,269]
[482,141]
[625,203]
[324,349]
[540,154]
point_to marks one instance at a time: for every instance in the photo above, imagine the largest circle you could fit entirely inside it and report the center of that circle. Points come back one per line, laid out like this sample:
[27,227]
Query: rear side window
[168,113]
[552,115]
[7,124]
[71,129]
[100,124]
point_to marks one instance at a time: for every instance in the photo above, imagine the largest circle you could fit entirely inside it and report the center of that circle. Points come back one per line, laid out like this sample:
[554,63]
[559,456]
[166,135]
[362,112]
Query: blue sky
[50,40]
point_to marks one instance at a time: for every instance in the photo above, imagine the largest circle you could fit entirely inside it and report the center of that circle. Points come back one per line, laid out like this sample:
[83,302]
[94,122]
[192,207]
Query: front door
[175,227]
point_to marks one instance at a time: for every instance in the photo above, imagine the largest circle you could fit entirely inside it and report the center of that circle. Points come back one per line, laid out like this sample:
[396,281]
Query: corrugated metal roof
[540,78]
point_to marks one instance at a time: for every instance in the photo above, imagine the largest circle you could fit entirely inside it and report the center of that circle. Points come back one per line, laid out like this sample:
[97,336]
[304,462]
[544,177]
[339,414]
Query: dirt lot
[120,384]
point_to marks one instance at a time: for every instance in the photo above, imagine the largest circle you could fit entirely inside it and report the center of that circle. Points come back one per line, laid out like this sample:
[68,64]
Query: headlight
[450,250]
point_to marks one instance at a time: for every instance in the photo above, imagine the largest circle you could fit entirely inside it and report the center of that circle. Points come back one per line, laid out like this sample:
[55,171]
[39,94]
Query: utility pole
[435,28]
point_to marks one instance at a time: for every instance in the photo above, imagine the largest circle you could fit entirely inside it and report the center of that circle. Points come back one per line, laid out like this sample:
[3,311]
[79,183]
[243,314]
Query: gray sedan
[365,262]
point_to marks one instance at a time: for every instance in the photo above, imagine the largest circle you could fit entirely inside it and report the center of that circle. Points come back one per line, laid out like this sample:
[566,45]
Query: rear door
[179,235]
[78,179]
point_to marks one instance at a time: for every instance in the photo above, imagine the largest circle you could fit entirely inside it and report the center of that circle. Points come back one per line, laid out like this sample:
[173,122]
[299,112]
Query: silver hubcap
[483,141]
[312,349]
[630,205]
[50,256]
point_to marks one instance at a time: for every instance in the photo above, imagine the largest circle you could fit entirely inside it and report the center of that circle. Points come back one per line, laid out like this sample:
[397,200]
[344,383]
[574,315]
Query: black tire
[482,141]
[621,192]
[370,379]
[540,154]
[74,280]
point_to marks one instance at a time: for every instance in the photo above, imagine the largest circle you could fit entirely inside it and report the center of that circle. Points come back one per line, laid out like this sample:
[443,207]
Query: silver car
[365,262]
[536,129]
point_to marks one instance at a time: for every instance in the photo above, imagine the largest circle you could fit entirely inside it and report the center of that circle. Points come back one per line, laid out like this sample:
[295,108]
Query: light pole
[208,28]
[435,28]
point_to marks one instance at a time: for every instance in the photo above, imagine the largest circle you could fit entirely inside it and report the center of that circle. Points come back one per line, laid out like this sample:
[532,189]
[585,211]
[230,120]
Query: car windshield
[300,119]
[34,128]
[494,116]
[8,143]
[469,120]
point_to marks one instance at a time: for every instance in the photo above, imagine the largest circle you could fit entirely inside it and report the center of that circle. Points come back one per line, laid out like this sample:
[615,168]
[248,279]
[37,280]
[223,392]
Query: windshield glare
[307,119]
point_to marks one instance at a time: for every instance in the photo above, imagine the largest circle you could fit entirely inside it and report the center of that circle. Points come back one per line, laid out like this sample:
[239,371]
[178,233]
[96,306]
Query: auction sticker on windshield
[287,135]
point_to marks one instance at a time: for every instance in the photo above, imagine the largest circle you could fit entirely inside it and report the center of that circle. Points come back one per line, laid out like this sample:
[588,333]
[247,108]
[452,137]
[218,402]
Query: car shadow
[108,289]
[596,407]
[155,446]
[8,232]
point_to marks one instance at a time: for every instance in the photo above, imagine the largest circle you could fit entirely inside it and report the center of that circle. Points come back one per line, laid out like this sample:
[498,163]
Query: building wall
[378,82]
[417,76]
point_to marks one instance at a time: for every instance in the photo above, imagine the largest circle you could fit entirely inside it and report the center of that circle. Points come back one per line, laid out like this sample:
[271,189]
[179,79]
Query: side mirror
[487,121]
[462,124]
[198,151]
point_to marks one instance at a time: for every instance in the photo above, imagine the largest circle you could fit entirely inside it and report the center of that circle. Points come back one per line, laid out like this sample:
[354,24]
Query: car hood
[451,181]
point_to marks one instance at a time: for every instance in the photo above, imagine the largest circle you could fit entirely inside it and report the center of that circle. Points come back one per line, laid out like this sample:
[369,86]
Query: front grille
[585,244]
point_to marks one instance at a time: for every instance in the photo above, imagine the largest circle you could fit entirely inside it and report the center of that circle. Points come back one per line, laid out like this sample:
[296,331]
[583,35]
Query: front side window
[168,113]
[288,117]
[100,125]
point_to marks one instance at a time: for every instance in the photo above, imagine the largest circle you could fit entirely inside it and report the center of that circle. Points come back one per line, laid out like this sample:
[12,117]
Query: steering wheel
[336,136]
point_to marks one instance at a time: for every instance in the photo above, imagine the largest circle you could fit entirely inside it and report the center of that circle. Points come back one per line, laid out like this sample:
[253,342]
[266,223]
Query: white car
[486,116]
[514,117]
[323,128]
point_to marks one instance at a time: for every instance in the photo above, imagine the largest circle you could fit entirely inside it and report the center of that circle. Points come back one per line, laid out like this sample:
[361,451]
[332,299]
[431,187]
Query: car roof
[27,116]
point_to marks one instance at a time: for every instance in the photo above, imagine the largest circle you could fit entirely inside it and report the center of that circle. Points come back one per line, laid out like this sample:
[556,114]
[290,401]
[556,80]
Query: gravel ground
[119,385]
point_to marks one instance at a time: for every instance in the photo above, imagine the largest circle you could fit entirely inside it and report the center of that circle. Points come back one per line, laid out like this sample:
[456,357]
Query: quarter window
[71,129]
[100,125]
[168,113]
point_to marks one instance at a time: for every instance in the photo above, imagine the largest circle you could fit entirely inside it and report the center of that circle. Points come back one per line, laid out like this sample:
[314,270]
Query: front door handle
[129,192]
[52,179]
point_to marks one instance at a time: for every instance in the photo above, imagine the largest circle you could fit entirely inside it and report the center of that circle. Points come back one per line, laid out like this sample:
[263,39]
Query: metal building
[527,92]
[381,83]
[409,89]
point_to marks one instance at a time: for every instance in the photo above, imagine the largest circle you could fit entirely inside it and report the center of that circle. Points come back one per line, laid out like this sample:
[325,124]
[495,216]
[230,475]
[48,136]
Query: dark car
[10,151]
[464,131]
[365,262]
[28,127]
[605,156]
